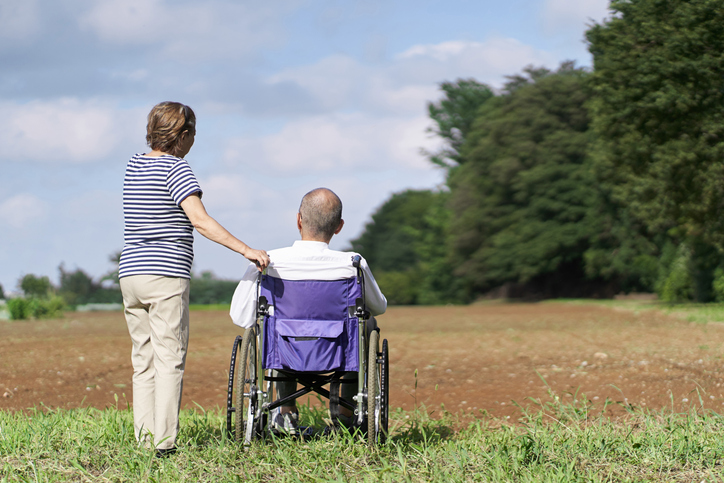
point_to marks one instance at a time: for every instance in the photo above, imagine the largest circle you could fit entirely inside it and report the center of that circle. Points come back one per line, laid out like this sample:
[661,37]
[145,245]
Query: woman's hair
[166,122]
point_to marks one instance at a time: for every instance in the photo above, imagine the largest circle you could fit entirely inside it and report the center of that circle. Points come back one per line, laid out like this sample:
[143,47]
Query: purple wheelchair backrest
[311,327]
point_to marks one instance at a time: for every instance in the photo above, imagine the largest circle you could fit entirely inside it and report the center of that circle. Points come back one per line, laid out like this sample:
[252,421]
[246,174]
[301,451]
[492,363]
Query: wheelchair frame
[250,396]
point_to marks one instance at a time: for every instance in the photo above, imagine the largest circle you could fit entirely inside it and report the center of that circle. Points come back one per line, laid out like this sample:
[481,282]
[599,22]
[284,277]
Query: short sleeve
[182,181]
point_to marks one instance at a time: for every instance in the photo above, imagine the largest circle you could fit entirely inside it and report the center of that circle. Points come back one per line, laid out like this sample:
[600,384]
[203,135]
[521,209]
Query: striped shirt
[158,235]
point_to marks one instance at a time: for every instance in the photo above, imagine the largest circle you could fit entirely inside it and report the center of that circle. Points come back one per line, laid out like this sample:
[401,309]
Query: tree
[454,116]
[658,112]
[207,289]
[389,241]
[2,292]
[406,244]
[520,197]
[77,288]
[33,286]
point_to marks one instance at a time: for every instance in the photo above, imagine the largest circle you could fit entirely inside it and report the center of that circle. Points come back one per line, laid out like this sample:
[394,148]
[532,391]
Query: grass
[555,443]
[691,312]
[209,307]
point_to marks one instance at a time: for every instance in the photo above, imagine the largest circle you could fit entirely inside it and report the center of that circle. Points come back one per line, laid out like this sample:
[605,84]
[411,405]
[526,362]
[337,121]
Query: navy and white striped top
[158,235]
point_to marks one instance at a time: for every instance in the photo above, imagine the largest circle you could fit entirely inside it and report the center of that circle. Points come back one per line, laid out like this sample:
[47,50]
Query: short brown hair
[166,122]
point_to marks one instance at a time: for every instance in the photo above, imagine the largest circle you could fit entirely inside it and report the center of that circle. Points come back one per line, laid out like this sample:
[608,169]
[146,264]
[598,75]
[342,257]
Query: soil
[493,357]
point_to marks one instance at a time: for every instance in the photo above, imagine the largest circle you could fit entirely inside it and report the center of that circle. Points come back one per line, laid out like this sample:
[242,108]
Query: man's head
[320,215]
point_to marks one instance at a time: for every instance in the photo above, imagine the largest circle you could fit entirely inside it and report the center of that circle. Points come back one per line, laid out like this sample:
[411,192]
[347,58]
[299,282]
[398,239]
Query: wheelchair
[315,333]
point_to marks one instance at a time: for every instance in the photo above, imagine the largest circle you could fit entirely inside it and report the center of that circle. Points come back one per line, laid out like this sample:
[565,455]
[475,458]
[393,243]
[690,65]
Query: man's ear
[339,228]
[299,222]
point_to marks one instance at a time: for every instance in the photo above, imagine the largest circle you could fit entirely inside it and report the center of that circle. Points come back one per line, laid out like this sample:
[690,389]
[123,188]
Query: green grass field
[558,443]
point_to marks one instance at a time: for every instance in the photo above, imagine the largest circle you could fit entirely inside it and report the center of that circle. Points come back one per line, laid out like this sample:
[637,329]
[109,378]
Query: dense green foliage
[454,116]
[523,192]
[658,112]
[33,286]
[39,300]
[406,244]
[582,182]
[38,308]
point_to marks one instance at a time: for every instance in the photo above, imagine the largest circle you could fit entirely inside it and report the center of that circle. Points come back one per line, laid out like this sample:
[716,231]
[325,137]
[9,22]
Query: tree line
[574,182]
[42,299]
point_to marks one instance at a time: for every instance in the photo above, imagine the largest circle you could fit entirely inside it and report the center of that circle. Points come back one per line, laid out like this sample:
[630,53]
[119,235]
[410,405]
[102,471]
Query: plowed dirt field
[489,357]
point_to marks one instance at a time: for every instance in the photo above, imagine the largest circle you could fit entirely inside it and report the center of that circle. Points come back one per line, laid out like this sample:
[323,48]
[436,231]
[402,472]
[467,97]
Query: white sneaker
[287,423]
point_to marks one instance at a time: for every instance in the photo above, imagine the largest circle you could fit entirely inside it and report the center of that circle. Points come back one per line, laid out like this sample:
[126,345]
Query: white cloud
[92,207]
[340,82]
[22,210]
[440,52]
[210,29]
[226,190]
[243,206]
[488,61]
[19,19]
[404,85]
[333,81]
[66,130]
[573,14]
[340,141]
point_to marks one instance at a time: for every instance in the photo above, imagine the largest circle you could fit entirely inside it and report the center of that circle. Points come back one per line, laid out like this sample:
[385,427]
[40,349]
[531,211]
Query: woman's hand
[259,257]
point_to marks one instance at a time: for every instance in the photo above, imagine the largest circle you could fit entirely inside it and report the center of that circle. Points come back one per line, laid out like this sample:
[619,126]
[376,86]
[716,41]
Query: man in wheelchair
[309,259]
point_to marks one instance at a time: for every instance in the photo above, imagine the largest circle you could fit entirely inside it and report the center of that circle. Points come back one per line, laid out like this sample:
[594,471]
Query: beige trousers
[157,314]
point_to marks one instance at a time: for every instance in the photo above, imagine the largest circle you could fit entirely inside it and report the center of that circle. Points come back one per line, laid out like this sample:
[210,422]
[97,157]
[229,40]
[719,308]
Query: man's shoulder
[310,262]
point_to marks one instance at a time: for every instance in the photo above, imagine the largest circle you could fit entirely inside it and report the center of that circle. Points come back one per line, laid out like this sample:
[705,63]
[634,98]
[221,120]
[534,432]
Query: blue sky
[290,95]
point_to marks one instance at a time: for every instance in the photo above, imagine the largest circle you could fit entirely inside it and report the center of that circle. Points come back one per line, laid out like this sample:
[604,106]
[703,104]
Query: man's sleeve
[243,305]
[374,299]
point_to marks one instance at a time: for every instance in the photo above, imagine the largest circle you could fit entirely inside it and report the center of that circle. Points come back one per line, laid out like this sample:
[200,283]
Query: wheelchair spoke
[247,390]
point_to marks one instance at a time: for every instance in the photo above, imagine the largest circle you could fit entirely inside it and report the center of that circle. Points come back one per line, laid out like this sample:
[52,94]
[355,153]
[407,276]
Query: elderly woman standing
[161,207]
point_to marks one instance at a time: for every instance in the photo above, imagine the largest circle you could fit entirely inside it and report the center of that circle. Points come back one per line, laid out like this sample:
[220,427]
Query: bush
[38,308]
[677,285]
[19,309]
[717,285]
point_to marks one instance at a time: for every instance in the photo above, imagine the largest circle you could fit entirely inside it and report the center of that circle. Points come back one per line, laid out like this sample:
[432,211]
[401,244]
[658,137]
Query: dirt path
[482,357]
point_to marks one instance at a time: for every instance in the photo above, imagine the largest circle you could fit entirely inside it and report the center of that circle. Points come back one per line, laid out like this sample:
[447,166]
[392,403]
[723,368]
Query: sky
[289,95]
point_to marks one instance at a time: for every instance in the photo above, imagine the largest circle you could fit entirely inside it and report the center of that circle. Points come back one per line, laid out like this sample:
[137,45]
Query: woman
[161,207]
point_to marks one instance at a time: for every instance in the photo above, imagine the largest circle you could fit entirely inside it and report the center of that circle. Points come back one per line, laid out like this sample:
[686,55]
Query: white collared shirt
[305,260]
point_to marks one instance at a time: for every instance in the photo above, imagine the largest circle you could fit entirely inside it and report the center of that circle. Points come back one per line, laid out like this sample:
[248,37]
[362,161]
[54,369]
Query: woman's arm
[211,229]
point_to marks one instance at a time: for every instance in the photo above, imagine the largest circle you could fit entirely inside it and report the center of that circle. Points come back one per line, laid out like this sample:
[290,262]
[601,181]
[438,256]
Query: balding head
[320,215]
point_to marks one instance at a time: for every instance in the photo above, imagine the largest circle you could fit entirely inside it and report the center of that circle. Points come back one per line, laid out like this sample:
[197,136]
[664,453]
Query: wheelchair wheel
[374,393]
[247,383]
[230,409]
[385,392]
